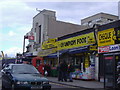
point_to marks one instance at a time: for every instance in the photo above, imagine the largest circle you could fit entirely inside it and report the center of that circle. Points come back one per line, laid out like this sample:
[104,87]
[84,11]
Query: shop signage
[51,43]
[93,48]
[31,38]
[114,48]
[103,49]
[111,48]
[106,37]
[78,41]
[109,58]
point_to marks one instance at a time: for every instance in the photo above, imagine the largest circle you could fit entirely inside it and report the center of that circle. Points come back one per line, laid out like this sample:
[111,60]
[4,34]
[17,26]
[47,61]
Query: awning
[46,52]
[78,50]
[69,51]
[55,55]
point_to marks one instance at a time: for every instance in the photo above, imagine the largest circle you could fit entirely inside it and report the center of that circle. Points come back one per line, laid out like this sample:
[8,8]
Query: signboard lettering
[106,37]
[78,41]
[103,49]
[111,48]
[51,43]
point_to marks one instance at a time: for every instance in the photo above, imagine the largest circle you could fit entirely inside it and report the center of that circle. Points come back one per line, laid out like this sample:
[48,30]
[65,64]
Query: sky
[16,17]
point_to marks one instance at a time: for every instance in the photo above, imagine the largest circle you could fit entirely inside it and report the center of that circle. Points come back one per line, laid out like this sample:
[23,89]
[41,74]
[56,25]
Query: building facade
[109,54]
[119,9]
[45,26]
[56,41]
[100,18]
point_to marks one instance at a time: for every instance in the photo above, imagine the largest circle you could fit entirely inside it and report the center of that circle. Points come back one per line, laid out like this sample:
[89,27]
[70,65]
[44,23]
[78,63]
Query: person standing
[64,68]
[70,71]
[59,73]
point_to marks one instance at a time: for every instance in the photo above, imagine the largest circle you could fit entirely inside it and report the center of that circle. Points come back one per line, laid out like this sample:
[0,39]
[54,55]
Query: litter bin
[54,72]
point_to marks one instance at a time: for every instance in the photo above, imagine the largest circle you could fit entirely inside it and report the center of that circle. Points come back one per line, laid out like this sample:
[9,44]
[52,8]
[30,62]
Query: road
[61,87]
[56,86]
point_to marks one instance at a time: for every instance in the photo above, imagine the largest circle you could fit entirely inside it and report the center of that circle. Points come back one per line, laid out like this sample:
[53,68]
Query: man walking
[64,68]
[70,71]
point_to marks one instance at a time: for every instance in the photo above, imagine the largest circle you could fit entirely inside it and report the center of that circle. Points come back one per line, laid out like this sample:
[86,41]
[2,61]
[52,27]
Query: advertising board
[110,48]
[106,37]
[78,41]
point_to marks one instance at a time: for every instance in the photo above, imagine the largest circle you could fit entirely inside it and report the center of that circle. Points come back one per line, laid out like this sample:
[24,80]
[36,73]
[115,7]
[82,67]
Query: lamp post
[25,37]
[23,45]
[2,54]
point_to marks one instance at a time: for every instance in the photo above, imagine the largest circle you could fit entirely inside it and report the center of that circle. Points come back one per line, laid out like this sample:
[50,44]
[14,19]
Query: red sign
[31,37]
[108,57]
[103,49]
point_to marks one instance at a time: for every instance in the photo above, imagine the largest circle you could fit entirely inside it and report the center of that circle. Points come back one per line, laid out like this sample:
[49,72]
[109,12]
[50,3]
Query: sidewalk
[80,84]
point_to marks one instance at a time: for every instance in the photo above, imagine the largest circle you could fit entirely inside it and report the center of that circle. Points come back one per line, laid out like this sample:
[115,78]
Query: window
[40,34]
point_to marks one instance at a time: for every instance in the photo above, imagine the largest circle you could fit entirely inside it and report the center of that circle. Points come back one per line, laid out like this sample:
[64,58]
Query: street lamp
[2,54]
[25,37]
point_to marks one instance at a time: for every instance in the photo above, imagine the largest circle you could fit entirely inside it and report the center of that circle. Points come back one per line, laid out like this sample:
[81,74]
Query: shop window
[40,34]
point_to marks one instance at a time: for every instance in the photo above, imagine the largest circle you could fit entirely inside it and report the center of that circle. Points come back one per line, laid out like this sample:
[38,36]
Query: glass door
[112,70]
[109,67]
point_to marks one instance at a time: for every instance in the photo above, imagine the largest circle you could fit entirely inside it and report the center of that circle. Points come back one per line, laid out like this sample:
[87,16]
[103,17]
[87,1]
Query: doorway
[111,70]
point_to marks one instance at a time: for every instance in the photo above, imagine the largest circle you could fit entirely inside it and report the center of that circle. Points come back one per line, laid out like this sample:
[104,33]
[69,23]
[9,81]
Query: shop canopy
[78,50]
[69,51]
[55,55]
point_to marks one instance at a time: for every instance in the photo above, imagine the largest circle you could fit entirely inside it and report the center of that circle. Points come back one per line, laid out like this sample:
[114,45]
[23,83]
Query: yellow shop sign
[77,41]
[51,43]
[106,37]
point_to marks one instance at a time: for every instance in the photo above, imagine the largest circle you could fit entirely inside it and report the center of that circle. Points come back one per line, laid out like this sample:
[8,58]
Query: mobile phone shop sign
[111,48]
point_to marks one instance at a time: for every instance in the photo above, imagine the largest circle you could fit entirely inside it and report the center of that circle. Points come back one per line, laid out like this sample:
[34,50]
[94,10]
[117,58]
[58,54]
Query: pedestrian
[59,72]
[45,70]
[49,69]
[70,72]
[64,68]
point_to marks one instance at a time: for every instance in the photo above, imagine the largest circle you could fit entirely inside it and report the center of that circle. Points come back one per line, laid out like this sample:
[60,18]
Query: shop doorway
[112,70]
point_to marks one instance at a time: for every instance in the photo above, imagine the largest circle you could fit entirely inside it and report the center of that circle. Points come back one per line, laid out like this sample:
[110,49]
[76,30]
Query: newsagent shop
[80,48]
[109,54]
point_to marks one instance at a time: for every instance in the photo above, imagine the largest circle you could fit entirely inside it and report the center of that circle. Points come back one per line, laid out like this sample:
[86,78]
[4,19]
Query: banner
[106,37]
[78,41]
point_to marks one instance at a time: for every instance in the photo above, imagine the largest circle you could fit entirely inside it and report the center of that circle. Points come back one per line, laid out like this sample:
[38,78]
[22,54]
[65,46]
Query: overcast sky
[16,17]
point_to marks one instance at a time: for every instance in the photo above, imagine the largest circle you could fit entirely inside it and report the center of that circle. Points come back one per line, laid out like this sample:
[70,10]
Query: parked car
[19,76]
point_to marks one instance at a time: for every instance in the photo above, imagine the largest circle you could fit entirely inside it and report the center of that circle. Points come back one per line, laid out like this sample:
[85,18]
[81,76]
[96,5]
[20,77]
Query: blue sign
[114,48]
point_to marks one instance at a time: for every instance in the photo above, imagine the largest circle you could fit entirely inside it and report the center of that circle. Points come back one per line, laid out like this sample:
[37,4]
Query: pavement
[91,85]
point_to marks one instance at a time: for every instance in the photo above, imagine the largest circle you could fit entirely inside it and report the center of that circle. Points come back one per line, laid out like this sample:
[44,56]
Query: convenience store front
[109,54]
[79,53]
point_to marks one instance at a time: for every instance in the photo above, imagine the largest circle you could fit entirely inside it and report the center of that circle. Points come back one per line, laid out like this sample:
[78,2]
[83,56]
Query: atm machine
[112,71]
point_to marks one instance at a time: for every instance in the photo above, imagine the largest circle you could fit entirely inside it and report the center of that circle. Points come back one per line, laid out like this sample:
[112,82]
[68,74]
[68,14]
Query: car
[23,76]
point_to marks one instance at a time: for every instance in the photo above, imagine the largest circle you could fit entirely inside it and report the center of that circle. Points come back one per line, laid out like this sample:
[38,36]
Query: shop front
[81,52]
[49,63]
[111,65]
[84,62]
[109,54]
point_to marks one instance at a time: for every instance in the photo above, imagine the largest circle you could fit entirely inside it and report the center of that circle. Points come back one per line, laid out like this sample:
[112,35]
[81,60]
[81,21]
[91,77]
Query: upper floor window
[40,34]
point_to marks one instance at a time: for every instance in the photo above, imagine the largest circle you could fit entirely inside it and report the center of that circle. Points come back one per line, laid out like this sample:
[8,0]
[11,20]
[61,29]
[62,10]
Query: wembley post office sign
[106,37]
[78,41]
